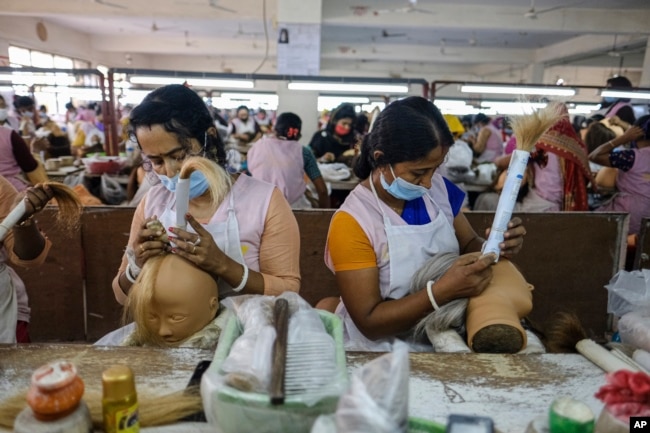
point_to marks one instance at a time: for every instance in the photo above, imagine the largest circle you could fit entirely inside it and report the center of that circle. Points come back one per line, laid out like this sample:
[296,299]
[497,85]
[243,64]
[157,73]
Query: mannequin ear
[214,305]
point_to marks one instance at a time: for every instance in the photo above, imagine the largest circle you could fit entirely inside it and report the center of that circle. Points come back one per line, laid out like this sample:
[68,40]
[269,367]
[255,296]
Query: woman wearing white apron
[24,246]
[398,217]
[250,244]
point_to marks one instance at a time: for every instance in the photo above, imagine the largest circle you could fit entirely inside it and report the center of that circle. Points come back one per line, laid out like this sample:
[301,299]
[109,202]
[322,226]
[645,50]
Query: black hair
[182,112]
[619,82]
[288,125]
[643,122]
[243,107]
[406,130]
[23,102]
[481,118]
[343,111]
[362,124]
[70,106]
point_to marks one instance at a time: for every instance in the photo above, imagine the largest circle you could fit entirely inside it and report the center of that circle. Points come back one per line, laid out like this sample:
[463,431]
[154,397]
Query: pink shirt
[280,163]
[9,167]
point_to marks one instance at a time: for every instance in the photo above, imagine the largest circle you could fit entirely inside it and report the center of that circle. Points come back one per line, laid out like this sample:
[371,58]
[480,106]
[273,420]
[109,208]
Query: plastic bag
[634,329]
[111,190]
[377,400]
[628,291]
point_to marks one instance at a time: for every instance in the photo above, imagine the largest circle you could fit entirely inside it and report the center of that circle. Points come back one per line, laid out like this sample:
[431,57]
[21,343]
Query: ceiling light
[518,90]
[625,94]
[349,87]
[197,82]
[30,79]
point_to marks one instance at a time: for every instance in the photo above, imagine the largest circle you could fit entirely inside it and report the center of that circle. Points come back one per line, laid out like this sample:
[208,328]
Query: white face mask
[4,113]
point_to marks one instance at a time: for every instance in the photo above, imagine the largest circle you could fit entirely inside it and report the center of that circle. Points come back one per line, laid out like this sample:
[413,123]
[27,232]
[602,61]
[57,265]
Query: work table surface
[512,389]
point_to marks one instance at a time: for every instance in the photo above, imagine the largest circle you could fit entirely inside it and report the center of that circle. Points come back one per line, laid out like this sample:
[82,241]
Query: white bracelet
[430,284]
[244,280]
[127,272]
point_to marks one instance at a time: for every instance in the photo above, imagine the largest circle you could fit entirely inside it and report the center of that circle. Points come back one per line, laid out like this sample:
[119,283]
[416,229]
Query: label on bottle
[123,420]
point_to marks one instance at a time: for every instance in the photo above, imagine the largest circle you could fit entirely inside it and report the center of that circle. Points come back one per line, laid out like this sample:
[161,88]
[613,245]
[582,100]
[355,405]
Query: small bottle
[54,400]
[120,401]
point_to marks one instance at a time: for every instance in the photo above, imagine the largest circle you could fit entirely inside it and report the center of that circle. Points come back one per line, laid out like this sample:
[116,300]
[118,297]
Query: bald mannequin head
[171,301]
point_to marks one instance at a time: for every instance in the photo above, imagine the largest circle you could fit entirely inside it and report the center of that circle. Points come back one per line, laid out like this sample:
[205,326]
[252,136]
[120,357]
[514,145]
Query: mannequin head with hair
[171,301]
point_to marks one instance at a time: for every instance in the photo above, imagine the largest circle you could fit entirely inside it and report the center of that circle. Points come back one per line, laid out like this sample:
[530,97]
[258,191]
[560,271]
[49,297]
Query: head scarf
[562,140]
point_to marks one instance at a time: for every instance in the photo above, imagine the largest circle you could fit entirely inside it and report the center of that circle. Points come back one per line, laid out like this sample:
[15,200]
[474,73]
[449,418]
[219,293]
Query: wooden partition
[568,257]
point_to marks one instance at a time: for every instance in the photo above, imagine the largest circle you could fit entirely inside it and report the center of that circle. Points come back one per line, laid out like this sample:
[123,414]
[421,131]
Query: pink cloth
[493,147]
[251,198]
[549,183]
[9,167]
[280,163]
[634,190]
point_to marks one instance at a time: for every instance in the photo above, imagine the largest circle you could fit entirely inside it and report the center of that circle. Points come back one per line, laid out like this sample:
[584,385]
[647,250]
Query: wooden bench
[568,257]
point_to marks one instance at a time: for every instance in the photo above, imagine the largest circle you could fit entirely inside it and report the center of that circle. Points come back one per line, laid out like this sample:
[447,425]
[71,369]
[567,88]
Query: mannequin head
[171,300]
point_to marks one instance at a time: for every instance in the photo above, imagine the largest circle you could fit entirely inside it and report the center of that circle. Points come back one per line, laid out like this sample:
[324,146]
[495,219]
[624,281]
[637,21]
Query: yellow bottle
[120,401]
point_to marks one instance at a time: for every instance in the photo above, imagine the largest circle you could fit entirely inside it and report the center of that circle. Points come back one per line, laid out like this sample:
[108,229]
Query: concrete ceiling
[431,39]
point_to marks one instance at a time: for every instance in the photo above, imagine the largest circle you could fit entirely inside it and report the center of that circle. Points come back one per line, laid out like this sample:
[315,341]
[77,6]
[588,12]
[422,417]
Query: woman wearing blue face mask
[250,244]
[399,216]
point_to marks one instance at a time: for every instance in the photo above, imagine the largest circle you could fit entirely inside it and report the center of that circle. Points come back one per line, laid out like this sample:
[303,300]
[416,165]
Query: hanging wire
[266,35]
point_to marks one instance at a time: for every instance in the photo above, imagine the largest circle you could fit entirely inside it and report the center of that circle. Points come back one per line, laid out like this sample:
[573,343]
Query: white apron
[409,247]
[225,234]
[8,306]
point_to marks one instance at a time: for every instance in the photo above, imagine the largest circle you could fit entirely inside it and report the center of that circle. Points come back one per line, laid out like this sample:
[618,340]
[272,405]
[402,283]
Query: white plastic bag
[111,190]
[629,291]
[377,400]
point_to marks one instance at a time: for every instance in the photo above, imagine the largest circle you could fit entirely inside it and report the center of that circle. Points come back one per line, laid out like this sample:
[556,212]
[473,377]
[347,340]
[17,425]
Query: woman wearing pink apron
[399,216]
[250,244]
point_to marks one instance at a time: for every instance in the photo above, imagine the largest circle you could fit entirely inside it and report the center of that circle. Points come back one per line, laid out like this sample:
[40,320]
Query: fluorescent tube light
[331,102]
[349,87]
[625,94]
[29,79]
[198,82]
[583,108]
[518,90]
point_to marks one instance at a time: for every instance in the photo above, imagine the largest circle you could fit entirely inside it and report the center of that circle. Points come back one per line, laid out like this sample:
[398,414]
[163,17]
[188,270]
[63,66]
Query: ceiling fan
[533,13]
[107,3]
[410,8]
[156,28]
[386,34]
[624,49]
[215,4]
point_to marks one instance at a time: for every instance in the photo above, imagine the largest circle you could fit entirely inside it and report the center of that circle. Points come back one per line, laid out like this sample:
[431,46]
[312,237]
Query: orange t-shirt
[349,247]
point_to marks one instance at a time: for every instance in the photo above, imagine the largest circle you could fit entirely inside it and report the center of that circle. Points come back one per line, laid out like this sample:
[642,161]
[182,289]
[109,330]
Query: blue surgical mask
[198,183]
[402,189]
[29,114]
[609,99]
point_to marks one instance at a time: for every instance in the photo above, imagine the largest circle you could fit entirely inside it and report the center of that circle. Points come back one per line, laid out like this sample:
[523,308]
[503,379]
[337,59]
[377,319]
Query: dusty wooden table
[512,389]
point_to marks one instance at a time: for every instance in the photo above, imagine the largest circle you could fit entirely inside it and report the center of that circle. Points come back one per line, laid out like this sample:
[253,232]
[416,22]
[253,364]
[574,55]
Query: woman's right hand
[468,276]
[150,241]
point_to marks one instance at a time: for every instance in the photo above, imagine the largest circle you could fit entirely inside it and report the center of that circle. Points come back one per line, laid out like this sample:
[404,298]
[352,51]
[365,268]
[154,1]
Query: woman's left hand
[199,248]
[513,238]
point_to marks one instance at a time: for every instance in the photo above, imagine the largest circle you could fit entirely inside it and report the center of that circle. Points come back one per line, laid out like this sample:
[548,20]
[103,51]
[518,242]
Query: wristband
[129,277]
[133,270]
[244,280]
[430,284]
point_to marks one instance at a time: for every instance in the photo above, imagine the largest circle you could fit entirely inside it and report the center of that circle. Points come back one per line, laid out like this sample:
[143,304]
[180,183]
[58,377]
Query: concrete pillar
[302,103]
[4,52]
[536,73]
[645,70]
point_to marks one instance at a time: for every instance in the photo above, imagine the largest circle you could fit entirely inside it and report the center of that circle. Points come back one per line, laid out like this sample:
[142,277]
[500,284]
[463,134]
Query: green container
[419,425]
[237,411]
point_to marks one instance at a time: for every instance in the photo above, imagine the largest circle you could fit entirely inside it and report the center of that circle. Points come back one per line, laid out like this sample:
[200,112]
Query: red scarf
[562,140]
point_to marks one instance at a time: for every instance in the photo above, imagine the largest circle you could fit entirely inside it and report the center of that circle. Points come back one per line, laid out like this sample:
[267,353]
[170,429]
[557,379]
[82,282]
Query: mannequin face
[185,300]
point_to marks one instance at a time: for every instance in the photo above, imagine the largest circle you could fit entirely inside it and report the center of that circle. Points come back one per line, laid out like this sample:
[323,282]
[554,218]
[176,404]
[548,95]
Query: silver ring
[198,241]
[194,249]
